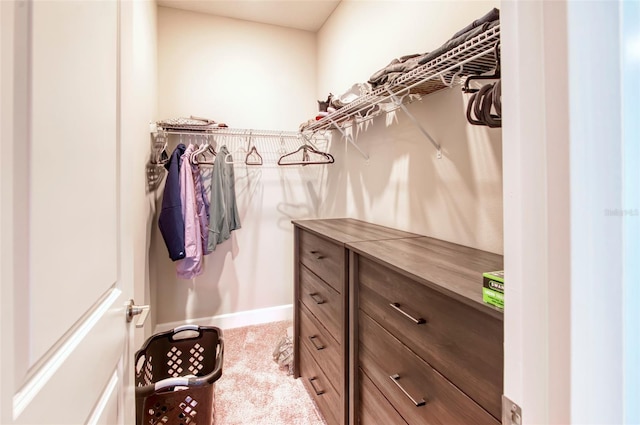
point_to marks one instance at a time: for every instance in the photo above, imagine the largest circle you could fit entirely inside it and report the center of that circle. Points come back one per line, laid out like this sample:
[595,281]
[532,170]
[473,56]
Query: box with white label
[493,288]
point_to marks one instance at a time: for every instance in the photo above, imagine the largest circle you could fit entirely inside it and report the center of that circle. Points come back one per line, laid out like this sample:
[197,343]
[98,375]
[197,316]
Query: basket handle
[186,328]
[183,381]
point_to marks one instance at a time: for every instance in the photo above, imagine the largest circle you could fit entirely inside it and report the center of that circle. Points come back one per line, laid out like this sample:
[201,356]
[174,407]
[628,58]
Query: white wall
[457,198]
[565,211]
[630,43]
[247,75]
[536,203]
[597,244]
[139,107]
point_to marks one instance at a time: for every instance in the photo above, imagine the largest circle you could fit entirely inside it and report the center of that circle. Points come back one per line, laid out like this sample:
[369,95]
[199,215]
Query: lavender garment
[202,206]
[191,265]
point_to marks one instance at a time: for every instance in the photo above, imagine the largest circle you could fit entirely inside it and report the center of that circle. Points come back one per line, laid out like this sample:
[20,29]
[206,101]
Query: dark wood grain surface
[323,257]
[324,302]
[324,349]
[345,230]
[382,355]
[374,409]
[329,401]
[463,344]
[452,269]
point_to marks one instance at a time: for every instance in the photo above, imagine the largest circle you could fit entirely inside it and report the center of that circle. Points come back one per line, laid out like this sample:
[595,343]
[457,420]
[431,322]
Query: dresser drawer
[317,385]
[323,257]
[324,349]
[374,409]
[419,393]
[460,342]
[322,301]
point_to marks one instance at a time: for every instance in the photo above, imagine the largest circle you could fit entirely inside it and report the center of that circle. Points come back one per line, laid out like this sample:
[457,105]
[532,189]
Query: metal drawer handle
[318,347]
[317,255]
[418,403]
[318,392]
[396,307]
[317,298]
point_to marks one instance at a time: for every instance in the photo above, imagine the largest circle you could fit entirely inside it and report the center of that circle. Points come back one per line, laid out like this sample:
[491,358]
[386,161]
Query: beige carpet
[253,390]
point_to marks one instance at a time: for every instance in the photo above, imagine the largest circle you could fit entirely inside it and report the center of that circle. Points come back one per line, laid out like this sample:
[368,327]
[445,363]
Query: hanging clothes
[223,211]
[191,265]
[171,222]
[202,204]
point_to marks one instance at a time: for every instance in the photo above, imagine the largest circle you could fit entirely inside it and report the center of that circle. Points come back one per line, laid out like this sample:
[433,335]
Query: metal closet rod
[226,131]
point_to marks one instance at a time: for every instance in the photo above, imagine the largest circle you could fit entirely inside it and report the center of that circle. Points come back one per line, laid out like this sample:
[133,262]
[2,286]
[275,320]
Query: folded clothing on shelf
[396,67]
[189,124]
[394,75]
[350,95]
[399,66]
[456,41]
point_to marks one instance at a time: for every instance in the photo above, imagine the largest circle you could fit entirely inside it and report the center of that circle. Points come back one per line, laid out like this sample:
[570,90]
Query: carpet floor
[253,389]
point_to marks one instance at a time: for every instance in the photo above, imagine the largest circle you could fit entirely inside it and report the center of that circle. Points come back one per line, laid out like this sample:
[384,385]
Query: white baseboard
[236,320]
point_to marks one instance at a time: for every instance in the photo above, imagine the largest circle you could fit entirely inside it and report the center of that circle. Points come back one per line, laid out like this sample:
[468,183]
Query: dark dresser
[390,326]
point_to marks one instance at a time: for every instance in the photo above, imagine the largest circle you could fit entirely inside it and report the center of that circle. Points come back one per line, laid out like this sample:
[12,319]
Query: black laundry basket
[176,373]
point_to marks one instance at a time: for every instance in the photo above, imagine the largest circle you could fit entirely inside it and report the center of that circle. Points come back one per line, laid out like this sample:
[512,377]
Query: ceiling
[308,15]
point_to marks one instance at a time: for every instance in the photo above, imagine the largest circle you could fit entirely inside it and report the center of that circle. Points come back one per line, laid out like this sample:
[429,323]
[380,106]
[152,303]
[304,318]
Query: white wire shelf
[223,131]
[473,57]
[265,146]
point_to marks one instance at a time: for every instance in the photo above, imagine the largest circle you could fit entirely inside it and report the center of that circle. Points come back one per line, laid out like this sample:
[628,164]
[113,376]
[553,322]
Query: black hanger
[480,103]
[307,151]
[495,76]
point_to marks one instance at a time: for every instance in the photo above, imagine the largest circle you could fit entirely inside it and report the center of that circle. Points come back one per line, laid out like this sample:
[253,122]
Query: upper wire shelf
[224,131]
[247,147]
[470,58]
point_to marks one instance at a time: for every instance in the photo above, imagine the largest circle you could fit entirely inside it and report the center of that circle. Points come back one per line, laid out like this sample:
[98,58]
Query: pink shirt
[191,265]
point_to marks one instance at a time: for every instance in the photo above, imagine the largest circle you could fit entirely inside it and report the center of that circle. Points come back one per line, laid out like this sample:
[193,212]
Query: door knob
[133,310]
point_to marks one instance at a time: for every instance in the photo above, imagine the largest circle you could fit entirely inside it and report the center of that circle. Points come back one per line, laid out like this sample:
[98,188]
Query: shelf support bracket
[348,137]
[399,102]
[453,77]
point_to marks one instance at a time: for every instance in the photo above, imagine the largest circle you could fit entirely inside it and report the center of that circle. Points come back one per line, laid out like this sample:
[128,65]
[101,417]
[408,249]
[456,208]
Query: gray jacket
[223,211]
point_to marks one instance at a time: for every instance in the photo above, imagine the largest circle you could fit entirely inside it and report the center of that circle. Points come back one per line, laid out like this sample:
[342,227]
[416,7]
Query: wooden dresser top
[452,269]
[346,230]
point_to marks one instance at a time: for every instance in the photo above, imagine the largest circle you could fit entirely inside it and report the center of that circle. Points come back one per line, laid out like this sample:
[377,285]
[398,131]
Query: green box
[493,288]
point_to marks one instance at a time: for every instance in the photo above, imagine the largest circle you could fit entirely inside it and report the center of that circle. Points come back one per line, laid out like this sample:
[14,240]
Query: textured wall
[247,75]
[457,198]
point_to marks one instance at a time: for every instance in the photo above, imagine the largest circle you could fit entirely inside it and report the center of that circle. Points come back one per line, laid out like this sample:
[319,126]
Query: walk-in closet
[402,154]
[318,212]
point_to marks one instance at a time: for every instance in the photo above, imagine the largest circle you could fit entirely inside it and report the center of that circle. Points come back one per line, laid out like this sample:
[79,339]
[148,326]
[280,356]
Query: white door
[66,351]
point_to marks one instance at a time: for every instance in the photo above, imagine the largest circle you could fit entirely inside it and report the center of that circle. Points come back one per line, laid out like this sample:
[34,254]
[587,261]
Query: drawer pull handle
[317,255]
[317,298]
[396,307]
[395,379]
[318,347]
[318,392]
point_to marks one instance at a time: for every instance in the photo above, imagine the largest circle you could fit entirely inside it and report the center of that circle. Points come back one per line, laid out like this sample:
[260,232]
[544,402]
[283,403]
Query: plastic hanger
[253,157]
[480,103]
[161,156]
[240,152]
[495,76]
[204,148]
[309,156]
